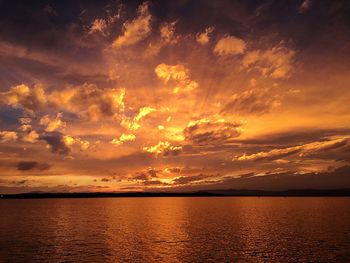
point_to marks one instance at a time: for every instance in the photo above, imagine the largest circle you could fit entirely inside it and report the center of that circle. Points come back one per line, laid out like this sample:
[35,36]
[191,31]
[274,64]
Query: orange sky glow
[175,96]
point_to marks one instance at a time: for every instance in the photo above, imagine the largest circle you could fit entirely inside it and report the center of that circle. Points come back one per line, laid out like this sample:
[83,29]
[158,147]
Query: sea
[176,229]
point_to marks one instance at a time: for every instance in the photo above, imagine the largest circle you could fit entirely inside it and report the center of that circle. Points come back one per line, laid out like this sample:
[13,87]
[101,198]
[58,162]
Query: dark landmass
[204,193]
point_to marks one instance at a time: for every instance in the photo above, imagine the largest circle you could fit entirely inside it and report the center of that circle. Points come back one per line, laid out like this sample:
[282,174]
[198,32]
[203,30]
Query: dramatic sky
[174,95]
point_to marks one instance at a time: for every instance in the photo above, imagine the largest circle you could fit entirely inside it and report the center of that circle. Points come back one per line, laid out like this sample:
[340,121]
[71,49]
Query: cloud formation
[31,136]
[230,45]
[32,165]
[123,138]
[52,123]
[179,74]
[89,101]
[30,99]
[306,4]
[168,93]
[301,150]
[203,38]
[135,30]
[163,148]
[277,62]
[211,132]
[252,101]
[7,136]
[57,142]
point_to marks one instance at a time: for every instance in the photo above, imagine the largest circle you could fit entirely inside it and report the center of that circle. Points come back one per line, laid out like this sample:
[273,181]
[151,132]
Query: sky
[174,95]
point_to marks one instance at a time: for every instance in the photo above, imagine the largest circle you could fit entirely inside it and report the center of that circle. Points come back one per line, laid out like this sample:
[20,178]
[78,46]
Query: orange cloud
[203,38]
[167,33]
[123,138]
[301,150]
[230,45]
[52,123]
[277,62]
[89,101]
[253,101]
[31,137]
[208,132]
[135,30]
[7,136]
[178,73]
[30,99]
[163,148]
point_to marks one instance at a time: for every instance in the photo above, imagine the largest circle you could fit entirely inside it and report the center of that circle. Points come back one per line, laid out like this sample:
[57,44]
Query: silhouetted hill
[204,193]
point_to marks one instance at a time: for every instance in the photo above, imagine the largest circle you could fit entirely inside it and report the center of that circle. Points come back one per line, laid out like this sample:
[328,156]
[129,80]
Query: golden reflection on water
[175,230]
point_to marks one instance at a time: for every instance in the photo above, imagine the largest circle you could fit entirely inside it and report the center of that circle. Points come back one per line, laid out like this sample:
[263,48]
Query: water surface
[180,229]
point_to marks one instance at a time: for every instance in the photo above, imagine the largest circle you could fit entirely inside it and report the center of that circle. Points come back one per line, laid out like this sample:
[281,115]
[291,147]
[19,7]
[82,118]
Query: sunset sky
[174,95]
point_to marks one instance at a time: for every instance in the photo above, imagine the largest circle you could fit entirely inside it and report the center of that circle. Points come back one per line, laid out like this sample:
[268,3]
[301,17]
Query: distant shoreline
[204,193]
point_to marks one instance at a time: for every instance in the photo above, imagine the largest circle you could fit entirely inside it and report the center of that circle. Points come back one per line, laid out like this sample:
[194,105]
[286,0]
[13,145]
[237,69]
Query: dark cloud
[256,101]
[141,177]
[20,182]
[105,180]
[332,148]
[174,170]
[189,179]
[336,179]
[152,172]
[32,165]
[295,136]
[339,178]
[56,142]
[153,182]
[208,132]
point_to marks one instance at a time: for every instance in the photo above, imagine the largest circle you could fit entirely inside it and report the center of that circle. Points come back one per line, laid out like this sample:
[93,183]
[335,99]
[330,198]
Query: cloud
[298,136]
[141,177]
[69,141]
[203,38]
[152,172]
[163,148]
[147,177]
[332,179]
[103,25]
[189,179]
[256,101]
[229,45]
[123,138]
[98,26]
[25,128]
[8,136]
[57,142]
[305,6]
[30,99]
[32,165]
[31,137]
[173,170]
[143,112]
[89,101]
[25,120]
[134,123]
[277,62]
[167,38]
[52,123]
[211,132]
[25,124]
[302,150]
[167,33]
[154,182]
[178,73]
[105,180]
[136,30]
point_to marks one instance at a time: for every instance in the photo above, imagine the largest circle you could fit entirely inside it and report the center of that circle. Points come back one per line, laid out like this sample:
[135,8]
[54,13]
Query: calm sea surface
[214,229]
